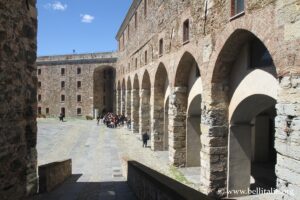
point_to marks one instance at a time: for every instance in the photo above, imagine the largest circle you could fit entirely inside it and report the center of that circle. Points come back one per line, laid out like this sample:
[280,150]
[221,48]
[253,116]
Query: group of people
[112,120]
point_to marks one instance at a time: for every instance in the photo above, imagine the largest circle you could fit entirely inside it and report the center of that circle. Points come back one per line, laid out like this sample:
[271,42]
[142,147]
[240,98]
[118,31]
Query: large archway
[145,108]
[103,85]
[118,98]
[128,99]
[245,93]
[135,105]
[185,145]
[160,114]
[123,97]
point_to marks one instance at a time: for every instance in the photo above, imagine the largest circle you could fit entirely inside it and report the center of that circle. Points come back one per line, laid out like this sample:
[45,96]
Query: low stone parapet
[53,174]
[149,184]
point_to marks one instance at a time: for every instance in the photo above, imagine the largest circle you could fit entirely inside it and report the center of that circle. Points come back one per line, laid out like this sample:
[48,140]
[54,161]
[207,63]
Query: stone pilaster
[287,125]
[128,104]
[123,102]
[144,111]
[157,119]
[118,97]
[177,126]
[135,106]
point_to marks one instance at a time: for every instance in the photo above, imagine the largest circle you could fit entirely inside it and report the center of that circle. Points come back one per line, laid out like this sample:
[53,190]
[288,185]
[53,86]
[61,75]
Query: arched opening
[159,132]
[145,94]
[135,105]
[103,85]
[123,97]
[187,87]
[166,124]
[128,99]
[245,92]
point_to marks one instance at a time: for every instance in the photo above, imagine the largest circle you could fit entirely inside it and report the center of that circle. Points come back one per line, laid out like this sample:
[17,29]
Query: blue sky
[85,26]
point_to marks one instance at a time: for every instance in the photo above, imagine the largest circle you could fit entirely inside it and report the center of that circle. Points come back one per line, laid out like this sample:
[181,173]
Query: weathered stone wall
[276,23]
[18,156]
[92,80]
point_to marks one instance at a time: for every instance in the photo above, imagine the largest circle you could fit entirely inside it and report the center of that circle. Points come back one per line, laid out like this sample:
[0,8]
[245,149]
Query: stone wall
[92,80]
[18,157]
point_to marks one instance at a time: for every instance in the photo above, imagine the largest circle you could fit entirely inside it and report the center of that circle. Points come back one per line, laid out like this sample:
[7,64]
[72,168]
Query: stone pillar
[144,111]
[118,102]
[177,126]
[128,104]
[123,102]
[287,143]
[239,159]
[135,105]
[157,119]
[213,154]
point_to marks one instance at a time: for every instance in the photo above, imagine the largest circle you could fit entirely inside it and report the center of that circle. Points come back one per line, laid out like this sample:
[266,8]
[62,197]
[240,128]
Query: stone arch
[103,79]
[187,81]
[135,104]
[118,98]
[123,97]
[128,98]
[159,122]
[243,68]
[145,108]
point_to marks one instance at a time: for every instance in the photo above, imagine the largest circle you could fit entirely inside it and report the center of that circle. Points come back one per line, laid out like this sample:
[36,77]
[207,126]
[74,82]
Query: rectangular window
[62,84]
[62,98]
[237,7]
[47,111]
[39,110]
[39,71]
[39,84]
[78,70]
[186,31]
[39,97]
[104,100]
[78,98]
[78,111]
[78,84]
[104,87]
[136,63]
[146,58]
[161,47]
[145,8]
[62,71]
[135,21]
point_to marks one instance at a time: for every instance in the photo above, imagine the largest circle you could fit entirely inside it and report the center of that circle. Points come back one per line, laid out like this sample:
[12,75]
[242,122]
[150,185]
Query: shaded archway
[159,132]
[123,97]
[135,105]
[104,77]
[128,99]
[187,82]
[244,93]
[145,108]
[118,98]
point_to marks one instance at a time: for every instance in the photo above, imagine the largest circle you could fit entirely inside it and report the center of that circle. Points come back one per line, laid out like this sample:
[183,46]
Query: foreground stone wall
[92,81]
[215,39]
[18,157]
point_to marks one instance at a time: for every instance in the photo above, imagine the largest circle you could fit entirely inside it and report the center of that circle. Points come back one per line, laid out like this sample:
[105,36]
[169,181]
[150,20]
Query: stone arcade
[215,83]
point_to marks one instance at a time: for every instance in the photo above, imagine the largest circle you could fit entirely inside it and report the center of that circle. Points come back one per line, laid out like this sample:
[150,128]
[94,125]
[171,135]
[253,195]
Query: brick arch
[145,108]
[135,105]
[158,130]
[184,66]
[146,83]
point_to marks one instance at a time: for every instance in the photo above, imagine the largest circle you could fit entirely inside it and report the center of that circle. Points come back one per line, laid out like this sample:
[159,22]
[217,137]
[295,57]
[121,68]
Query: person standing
[145,138]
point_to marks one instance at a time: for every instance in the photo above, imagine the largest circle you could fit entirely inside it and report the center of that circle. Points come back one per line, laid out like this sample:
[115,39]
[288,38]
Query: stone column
[144,111]
[117,101]
[157,119]
[287,143]
[123,101]
[239,159]
[213,154]
[135,105]
[128,104]
[177,126]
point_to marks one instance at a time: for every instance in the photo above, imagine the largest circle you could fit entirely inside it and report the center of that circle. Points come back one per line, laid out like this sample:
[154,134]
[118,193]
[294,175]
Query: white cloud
[57,5]
[87,18]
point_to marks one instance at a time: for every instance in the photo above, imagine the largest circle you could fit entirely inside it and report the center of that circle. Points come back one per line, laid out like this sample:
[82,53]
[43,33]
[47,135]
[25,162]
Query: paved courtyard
[98,158]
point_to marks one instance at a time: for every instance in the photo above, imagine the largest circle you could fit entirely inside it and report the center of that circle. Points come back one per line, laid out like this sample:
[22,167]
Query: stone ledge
[53,174]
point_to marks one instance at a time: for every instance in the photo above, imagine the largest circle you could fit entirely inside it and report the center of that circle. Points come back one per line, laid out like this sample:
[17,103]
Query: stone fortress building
[216,83]
[77,85]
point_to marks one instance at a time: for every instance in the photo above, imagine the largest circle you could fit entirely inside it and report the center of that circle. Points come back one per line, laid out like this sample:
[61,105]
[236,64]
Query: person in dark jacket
[145,138]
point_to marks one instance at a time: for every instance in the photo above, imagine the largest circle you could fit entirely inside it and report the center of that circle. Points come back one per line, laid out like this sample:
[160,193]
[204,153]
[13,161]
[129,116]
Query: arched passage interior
[145,108]
[128,99]
[135,105]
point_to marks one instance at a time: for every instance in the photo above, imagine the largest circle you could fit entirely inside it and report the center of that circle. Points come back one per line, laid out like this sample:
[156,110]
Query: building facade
[76,85]
[216,84]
